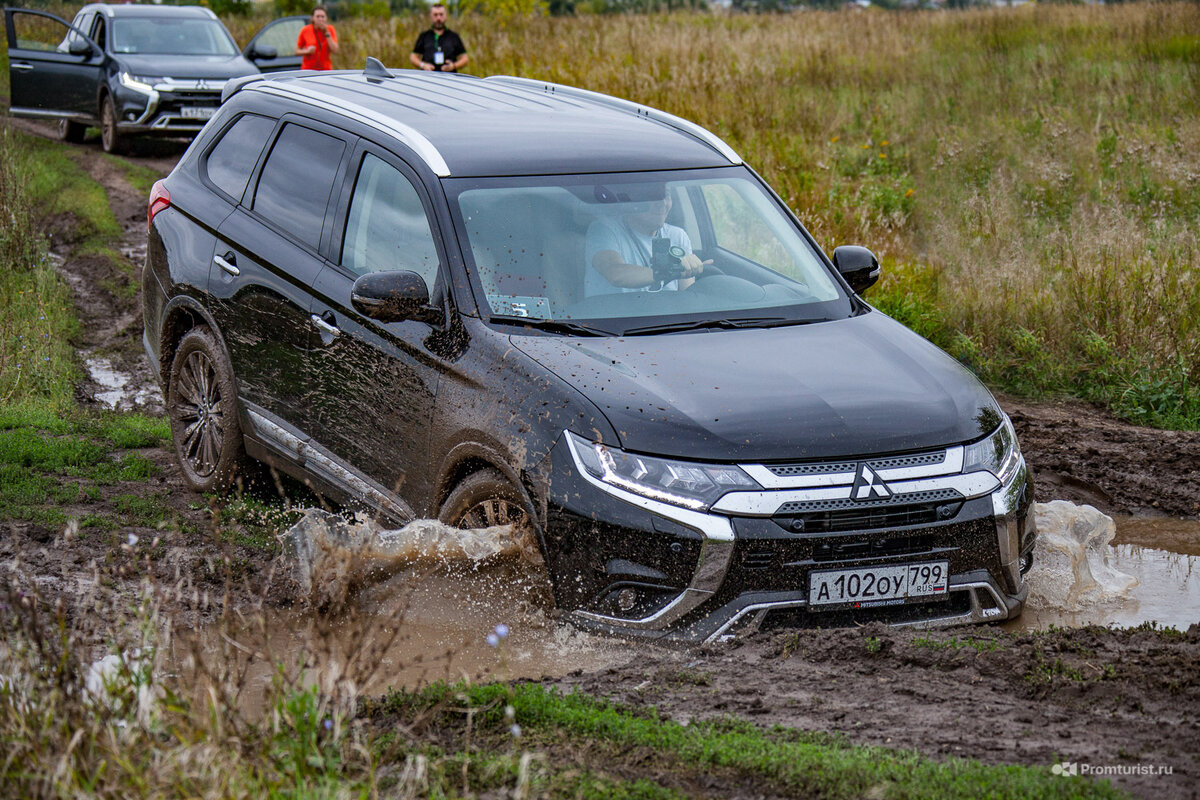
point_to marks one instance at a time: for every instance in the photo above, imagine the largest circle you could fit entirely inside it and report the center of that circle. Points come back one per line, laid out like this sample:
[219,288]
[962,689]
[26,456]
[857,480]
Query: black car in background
[379,282]
[133,69]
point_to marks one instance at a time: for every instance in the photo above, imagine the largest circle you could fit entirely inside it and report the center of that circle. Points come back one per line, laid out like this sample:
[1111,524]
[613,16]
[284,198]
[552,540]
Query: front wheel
[69,131]
[110,138]
[202,404]
[485,499]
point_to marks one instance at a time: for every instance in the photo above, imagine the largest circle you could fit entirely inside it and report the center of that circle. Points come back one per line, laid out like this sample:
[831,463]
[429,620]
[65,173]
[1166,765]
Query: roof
[147,10]
[467,126]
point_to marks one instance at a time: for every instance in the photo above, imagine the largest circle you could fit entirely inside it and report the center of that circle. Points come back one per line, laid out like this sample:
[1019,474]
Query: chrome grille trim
[842,471]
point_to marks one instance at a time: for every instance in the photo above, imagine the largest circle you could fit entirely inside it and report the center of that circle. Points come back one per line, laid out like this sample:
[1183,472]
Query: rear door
[273,48]
[266,258]
[54,68]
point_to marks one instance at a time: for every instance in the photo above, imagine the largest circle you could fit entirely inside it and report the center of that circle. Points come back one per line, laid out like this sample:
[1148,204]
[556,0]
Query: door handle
[22,66]
[226,265]
[332,330]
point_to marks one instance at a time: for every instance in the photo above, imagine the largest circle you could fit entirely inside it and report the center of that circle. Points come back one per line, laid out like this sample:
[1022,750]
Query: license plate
[197,112]
[871,586]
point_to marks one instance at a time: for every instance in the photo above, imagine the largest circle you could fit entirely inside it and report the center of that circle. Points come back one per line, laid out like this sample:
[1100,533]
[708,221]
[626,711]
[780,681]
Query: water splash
[333,555]
[1073,567]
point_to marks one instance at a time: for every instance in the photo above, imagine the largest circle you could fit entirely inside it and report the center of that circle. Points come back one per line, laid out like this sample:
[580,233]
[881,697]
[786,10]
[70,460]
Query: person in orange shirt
[317,41]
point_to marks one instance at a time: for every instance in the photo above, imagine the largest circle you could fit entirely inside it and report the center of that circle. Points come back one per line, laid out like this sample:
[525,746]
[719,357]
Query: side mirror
[393,297]
[264,51]
[79,47]
[858,266]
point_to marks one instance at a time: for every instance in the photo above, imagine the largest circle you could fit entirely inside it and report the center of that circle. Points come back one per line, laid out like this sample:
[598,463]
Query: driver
[620,251]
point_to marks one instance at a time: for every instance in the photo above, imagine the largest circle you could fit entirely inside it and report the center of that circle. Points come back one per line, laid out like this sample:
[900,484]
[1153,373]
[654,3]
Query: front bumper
[624,563]
[170,108]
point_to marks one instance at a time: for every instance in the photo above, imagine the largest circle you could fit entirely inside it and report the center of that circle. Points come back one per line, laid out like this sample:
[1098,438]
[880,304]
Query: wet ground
[1014,695]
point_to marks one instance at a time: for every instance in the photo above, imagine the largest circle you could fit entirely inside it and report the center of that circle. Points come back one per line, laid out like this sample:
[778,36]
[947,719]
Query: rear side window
[296,180]
[387,228]
[230,162]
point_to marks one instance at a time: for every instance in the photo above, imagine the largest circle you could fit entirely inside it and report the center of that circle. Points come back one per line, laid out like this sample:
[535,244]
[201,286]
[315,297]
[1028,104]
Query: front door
[273,48]
[54,68]
[376,382]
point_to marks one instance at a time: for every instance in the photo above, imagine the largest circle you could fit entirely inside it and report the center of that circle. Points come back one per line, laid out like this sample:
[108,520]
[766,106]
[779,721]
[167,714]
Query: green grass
[792,762]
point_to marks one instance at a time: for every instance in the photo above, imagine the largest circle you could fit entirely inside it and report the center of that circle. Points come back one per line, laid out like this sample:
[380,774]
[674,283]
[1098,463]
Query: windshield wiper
[554,325]
[721,322]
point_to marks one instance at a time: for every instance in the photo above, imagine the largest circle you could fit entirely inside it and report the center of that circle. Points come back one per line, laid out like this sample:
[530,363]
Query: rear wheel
[201,402]
[69,131]
[110,138]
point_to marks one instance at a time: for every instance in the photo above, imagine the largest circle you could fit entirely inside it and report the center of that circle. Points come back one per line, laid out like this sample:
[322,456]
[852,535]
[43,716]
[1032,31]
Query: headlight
[682,483]
[139,83]
[999,453]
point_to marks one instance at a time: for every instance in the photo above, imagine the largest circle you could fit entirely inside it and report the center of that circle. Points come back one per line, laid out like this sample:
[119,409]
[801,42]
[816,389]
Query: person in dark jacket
[439,49]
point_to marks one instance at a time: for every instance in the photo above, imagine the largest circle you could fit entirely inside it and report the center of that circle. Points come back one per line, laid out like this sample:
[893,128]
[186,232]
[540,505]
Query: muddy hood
[837,389]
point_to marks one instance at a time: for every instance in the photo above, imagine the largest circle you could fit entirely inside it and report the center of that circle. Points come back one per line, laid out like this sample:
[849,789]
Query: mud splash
[389,608]
[1090,569]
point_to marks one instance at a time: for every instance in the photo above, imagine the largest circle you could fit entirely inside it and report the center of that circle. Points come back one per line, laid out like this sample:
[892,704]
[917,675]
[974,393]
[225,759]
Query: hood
[190,67]
[864,385]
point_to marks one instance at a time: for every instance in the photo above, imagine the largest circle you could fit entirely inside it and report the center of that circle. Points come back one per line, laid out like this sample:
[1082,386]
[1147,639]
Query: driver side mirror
[394,296]
[79,47]
[858,266]
[264,51]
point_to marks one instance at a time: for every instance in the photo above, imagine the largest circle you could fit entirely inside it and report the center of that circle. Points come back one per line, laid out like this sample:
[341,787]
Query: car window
[281,35]
[742,228]
[387,228]
[97,31]
[296,180]
[538,243]
[172,36]
[230,162]
[37,32]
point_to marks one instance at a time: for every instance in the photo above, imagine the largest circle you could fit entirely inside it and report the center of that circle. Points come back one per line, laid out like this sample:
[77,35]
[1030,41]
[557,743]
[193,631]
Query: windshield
[641,252]
[175,37]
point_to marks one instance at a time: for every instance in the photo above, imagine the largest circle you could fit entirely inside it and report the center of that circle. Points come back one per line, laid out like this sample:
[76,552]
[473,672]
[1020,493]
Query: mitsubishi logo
[202,84]
[869,486]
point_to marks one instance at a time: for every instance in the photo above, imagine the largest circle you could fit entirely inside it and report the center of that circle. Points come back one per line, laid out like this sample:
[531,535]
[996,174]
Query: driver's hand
[692,265]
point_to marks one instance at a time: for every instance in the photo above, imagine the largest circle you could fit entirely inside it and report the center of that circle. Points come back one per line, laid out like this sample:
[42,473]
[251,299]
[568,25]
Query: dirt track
[1093,696]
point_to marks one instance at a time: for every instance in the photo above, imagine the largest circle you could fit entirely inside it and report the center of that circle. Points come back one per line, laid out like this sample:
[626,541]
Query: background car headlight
[683,483]
[999,453]
[139,83]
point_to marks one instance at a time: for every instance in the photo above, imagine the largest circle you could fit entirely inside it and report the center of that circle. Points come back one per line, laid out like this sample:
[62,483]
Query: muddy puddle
[1091,569]
[432,603]
[405,608]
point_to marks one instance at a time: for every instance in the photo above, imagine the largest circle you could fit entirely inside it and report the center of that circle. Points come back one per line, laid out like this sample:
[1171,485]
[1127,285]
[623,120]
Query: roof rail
[680,124]
[406,134]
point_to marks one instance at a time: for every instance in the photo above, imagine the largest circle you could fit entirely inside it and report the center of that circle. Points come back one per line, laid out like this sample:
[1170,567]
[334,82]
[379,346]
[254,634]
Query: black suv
[505,301]
[133,69]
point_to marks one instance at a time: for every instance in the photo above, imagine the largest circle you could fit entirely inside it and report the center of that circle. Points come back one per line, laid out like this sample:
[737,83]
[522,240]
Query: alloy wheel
[200,414]
[494,511]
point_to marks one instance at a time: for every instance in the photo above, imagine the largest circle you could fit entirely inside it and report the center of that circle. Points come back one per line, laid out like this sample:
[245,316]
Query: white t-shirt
[634,248]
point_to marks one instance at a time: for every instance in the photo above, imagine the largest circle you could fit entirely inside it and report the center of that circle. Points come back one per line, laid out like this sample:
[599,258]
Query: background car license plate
[197,112]
[878,584]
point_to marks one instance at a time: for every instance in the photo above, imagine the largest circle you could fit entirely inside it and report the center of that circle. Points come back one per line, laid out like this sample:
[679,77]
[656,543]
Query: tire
[485,498]
[110,138]
[69,131]
[202,405]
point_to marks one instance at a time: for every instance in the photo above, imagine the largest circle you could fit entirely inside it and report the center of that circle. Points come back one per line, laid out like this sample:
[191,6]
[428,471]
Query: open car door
[54,69]
[273,48]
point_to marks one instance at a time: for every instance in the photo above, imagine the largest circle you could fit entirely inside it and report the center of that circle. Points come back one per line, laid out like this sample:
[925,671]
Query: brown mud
[1091,695]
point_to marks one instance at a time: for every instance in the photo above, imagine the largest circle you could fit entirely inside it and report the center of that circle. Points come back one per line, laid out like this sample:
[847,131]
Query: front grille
[825,552]
[849,507]
[858,516]
[895,462]
[758,559]
[193,96]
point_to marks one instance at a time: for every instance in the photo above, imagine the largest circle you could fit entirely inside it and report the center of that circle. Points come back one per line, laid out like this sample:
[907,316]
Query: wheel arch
[181,315]
[466,459]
